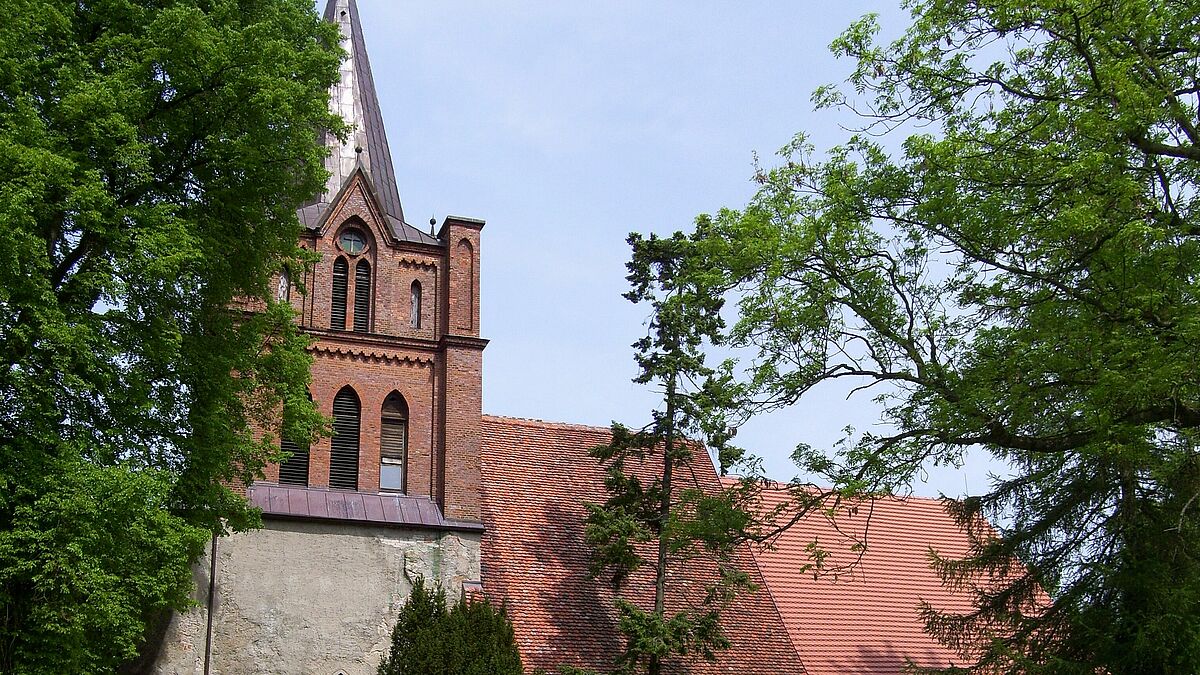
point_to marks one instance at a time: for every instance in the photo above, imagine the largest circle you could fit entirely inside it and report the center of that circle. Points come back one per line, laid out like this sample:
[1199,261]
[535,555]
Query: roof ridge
[535,422]
[782,486]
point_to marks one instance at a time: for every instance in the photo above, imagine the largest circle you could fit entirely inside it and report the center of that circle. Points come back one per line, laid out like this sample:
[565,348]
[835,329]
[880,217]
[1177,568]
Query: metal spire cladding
[353,98]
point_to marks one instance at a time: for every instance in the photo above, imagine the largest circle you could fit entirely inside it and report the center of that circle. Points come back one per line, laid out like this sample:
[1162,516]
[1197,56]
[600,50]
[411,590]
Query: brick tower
[395,316]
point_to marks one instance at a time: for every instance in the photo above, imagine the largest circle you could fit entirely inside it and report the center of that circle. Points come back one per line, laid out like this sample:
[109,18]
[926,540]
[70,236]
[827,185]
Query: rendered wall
[304,597]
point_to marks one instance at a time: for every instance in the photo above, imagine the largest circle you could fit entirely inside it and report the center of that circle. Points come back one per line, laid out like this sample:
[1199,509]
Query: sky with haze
[567,125]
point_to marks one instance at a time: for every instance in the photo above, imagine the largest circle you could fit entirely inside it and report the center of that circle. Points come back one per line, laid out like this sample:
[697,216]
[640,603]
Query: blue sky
[566,126]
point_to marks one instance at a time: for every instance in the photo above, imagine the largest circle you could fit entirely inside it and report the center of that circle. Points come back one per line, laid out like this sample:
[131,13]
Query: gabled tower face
[395,314]
[354,99]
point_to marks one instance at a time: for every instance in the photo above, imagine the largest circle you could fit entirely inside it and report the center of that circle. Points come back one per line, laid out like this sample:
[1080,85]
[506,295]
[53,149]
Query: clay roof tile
[536,478]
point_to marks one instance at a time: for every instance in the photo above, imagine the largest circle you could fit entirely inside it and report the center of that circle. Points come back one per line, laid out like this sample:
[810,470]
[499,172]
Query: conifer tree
[466,638]
[654,517]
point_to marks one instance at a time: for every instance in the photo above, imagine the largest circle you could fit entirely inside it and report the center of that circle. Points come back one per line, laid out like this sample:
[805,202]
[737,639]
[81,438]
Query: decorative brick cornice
[375,355]
[459,221]
[414,263]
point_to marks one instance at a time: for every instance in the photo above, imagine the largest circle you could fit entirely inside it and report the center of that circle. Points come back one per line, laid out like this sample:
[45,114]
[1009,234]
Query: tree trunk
[664,514]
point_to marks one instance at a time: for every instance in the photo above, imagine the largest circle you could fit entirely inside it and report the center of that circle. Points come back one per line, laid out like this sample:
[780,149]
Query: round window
[352,242]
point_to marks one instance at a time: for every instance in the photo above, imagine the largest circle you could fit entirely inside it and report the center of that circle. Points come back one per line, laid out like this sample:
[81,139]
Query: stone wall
[306,597]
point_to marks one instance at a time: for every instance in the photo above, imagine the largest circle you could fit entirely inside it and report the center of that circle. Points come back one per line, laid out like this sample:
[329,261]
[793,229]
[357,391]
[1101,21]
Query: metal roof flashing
[290,502]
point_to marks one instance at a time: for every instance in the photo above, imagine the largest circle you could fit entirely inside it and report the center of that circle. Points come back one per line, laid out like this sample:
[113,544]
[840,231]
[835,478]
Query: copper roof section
[353,97]
[535,478]
[286,501]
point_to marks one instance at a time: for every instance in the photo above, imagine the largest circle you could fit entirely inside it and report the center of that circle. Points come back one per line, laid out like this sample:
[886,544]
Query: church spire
[353,97]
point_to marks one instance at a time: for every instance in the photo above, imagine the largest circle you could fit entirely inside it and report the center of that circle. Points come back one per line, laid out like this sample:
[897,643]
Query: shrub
[466,638]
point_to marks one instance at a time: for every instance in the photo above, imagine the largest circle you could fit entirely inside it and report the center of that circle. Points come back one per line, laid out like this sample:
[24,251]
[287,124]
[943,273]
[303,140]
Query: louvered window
[414,317]
[393,442]
[337,309]
[294,469]
[362,296]
[343,455]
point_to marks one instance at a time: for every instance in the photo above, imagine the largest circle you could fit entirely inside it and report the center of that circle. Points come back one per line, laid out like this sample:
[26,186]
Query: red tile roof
[866,620]
[536,477]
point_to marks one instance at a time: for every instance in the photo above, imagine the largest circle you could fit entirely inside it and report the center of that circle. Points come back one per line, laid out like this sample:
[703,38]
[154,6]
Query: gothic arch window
[283,289]
[294,469]
[393,442]
[337,307]
[414,315]
[362,296]
[343,455]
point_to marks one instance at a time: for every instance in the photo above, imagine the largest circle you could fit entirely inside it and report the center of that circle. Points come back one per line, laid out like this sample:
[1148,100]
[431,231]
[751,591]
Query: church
[417,482]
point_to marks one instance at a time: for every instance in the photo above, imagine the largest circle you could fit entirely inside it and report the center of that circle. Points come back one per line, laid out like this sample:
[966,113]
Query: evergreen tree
[1024,279]
[466,638]
[653,517]
[152,156]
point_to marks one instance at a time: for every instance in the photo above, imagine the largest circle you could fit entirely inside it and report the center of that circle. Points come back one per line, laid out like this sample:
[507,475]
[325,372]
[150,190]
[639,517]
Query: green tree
[466,638]
[152,155]
[652,518]
[1024,279]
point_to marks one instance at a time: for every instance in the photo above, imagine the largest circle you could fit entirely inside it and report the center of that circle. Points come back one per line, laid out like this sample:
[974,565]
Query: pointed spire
[353,97]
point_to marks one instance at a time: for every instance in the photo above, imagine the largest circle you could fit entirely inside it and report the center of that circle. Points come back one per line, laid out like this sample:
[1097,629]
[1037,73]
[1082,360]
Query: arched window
[283,290]
[294,469]
[393,442]
[343,456]
[362,296]
[337,309]
[414,316]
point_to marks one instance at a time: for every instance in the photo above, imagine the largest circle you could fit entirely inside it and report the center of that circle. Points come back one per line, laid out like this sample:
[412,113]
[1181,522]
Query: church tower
[395,317]
[350,523]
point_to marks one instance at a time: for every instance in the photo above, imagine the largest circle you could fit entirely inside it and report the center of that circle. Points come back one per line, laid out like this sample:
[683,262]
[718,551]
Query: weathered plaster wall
[303,597]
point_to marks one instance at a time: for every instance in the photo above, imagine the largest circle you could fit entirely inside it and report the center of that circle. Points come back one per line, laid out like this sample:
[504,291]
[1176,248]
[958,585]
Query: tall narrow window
[393,442]
[283,290]
[414,317]
[362,296]
[343,456]
[337,309]
[294,469]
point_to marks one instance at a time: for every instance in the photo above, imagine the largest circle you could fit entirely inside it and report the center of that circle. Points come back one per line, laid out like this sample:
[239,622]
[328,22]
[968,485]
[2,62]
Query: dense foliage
[466,638]
[657,516]
[152,155]
[1023,277]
